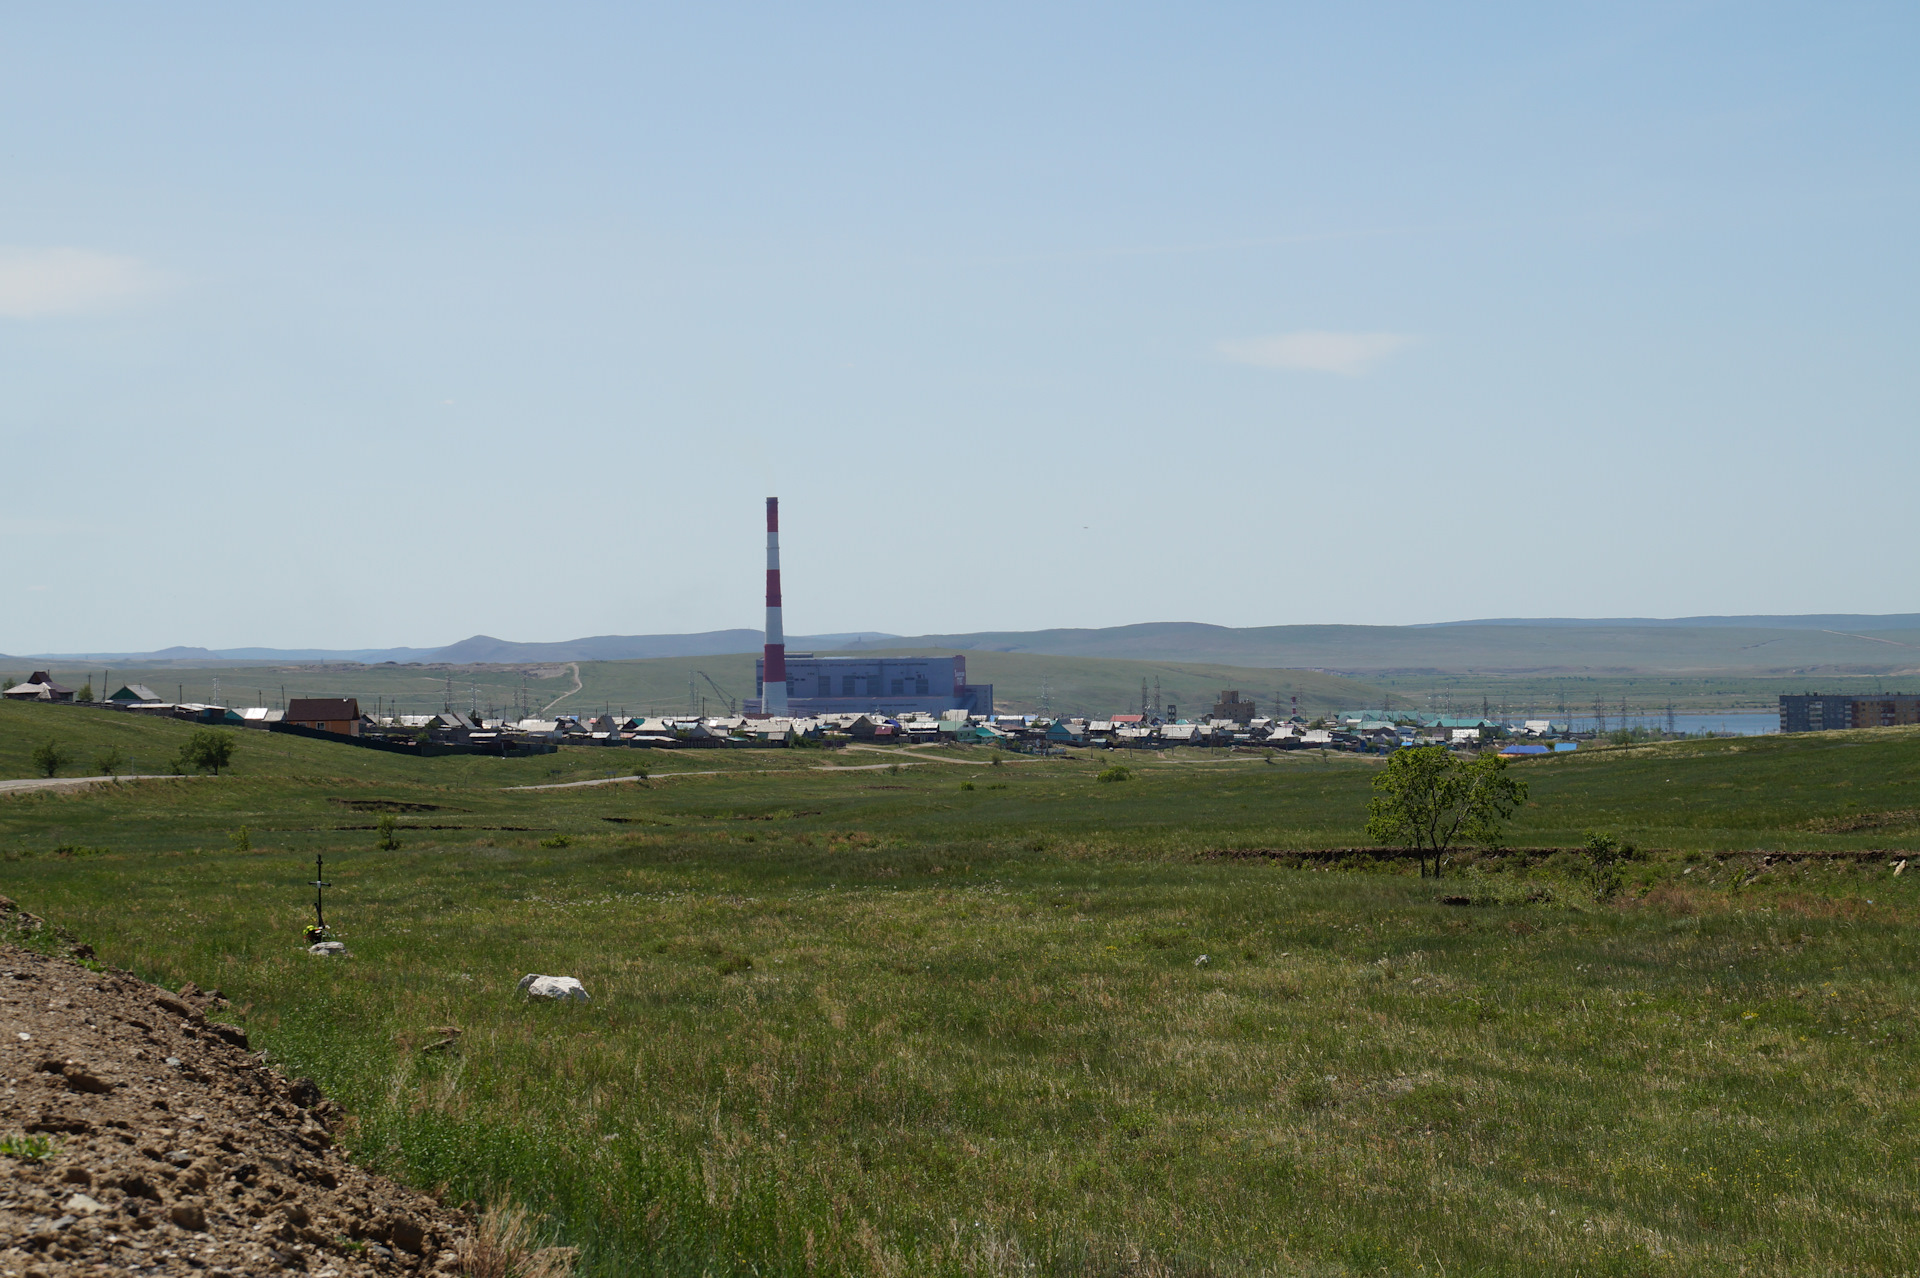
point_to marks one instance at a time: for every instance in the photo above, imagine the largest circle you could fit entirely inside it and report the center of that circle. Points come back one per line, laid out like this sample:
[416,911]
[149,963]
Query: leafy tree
[208,750]
[86,691]
[1427,797]
[7,682]
[388,841]
[109,762]
[241,840]
[49,758]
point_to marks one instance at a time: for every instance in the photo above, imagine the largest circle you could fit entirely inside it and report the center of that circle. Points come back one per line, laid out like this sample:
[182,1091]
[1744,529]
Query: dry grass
[505,1245]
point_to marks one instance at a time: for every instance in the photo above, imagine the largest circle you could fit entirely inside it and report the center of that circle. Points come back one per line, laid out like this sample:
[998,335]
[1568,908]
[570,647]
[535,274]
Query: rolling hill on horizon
[1780,645]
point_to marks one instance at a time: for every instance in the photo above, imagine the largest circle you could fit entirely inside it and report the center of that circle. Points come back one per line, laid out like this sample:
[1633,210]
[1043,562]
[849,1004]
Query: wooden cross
[319,884]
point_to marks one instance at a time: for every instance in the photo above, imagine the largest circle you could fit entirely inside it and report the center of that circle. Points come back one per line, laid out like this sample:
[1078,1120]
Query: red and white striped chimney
[773,675]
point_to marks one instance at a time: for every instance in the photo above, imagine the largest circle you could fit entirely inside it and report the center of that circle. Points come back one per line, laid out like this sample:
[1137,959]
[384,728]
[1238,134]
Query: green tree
[388,841]
[208,750]
[49,758]
[86,691]
[1426,798]
[109,762]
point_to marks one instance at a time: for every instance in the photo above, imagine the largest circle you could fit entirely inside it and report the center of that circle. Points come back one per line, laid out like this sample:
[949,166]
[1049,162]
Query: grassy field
[955,1018]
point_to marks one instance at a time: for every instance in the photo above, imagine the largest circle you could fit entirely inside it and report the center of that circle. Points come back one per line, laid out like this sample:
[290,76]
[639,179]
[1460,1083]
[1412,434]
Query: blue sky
[355,327]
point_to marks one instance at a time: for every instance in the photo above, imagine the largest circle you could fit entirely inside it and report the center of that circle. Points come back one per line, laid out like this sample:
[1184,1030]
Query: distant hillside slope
[485,648]
[1831,644]
[1483,648]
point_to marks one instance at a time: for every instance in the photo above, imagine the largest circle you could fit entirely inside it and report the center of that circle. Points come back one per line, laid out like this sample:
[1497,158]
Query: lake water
[1742,724]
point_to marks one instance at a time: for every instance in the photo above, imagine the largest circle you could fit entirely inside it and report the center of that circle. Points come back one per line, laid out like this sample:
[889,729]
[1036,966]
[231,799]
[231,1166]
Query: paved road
[71,783]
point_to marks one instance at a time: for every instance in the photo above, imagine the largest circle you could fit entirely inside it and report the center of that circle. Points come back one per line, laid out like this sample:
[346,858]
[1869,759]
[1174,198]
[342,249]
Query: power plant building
[874,685]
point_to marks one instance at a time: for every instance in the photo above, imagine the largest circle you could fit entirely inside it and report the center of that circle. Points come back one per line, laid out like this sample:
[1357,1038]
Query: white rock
[561,987]
[1202,961]
[326,948]
[84,1205]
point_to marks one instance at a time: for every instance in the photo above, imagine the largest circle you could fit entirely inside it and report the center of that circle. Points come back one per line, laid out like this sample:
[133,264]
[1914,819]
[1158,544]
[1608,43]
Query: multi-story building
[1818,712]
[875,685]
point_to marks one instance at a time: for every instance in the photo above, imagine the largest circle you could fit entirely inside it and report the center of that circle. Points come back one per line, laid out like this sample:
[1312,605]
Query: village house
[326,714]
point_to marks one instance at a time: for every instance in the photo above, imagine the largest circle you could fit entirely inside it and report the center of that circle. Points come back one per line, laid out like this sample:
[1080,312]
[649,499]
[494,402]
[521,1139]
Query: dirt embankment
[139,1137]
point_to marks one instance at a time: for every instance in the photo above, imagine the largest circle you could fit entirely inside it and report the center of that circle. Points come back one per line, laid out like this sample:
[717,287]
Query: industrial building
[1818,712]
[869,685]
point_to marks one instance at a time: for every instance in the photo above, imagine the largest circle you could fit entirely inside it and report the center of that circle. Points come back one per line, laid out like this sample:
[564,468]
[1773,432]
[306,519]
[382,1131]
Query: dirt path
[927,758]
[575,667]
[72,783]
[721,772]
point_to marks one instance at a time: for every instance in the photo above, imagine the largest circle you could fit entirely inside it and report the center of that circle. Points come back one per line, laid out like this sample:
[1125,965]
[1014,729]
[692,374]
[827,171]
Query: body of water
[1739,724]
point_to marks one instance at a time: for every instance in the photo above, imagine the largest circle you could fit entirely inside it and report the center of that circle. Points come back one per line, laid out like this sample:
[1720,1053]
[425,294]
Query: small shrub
[999,757]
[109,762]
[1604,853]
[640,773]
[1114,773]
[49,758]
[29,1148]
[241,843]
[388,841]
[966,785]
[556,842]
[732,963]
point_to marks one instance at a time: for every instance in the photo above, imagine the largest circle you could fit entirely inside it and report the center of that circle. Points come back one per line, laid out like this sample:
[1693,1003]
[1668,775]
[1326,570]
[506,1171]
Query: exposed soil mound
[139,1137]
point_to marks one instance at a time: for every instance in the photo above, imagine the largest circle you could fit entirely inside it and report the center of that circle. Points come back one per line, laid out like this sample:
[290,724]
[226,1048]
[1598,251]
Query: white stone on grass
[327,948]
[560,987]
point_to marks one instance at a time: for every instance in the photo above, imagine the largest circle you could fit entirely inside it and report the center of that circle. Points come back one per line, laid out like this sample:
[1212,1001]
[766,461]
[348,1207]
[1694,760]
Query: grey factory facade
[874,685]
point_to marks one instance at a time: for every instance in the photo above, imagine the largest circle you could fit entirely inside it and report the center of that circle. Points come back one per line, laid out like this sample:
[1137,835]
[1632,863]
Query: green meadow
[926,1012]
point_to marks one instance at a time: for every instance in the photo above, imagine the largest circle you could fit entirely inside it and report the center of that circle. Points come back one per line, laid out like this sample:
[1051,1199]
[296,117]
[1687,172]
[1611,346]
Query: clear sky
[359,325]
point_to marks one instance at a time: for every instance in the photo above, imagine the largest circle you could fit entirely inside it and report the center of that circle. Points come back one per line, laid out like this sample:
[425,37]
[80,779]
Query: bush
[109,762]
[556,842]
[1604,853]
[49,758]
[966,785]
[241,841]
[208,751]
[388,841]
[1115,773]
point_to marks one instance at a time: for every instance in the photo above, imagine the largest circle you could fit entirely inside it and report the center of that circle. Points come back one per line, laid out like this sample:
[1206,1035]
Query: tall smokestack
[773,676]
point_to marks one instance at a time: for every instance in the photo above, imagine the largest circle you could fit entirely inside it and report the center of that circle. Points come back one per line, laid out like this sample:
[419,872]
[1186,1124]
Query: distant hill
[1484,647]
[486,649]
[1837,643]
[1809,621]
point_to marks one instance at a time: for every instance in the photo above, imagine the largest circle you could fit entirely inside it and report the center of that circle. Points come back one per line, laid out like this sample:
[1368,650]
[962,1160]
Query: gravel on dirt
[140,1135]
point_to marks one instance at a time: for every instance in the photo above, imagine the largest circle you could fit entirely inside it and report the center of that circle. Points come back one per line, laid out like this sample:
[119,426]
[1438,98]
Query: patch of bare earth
[139,1137]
